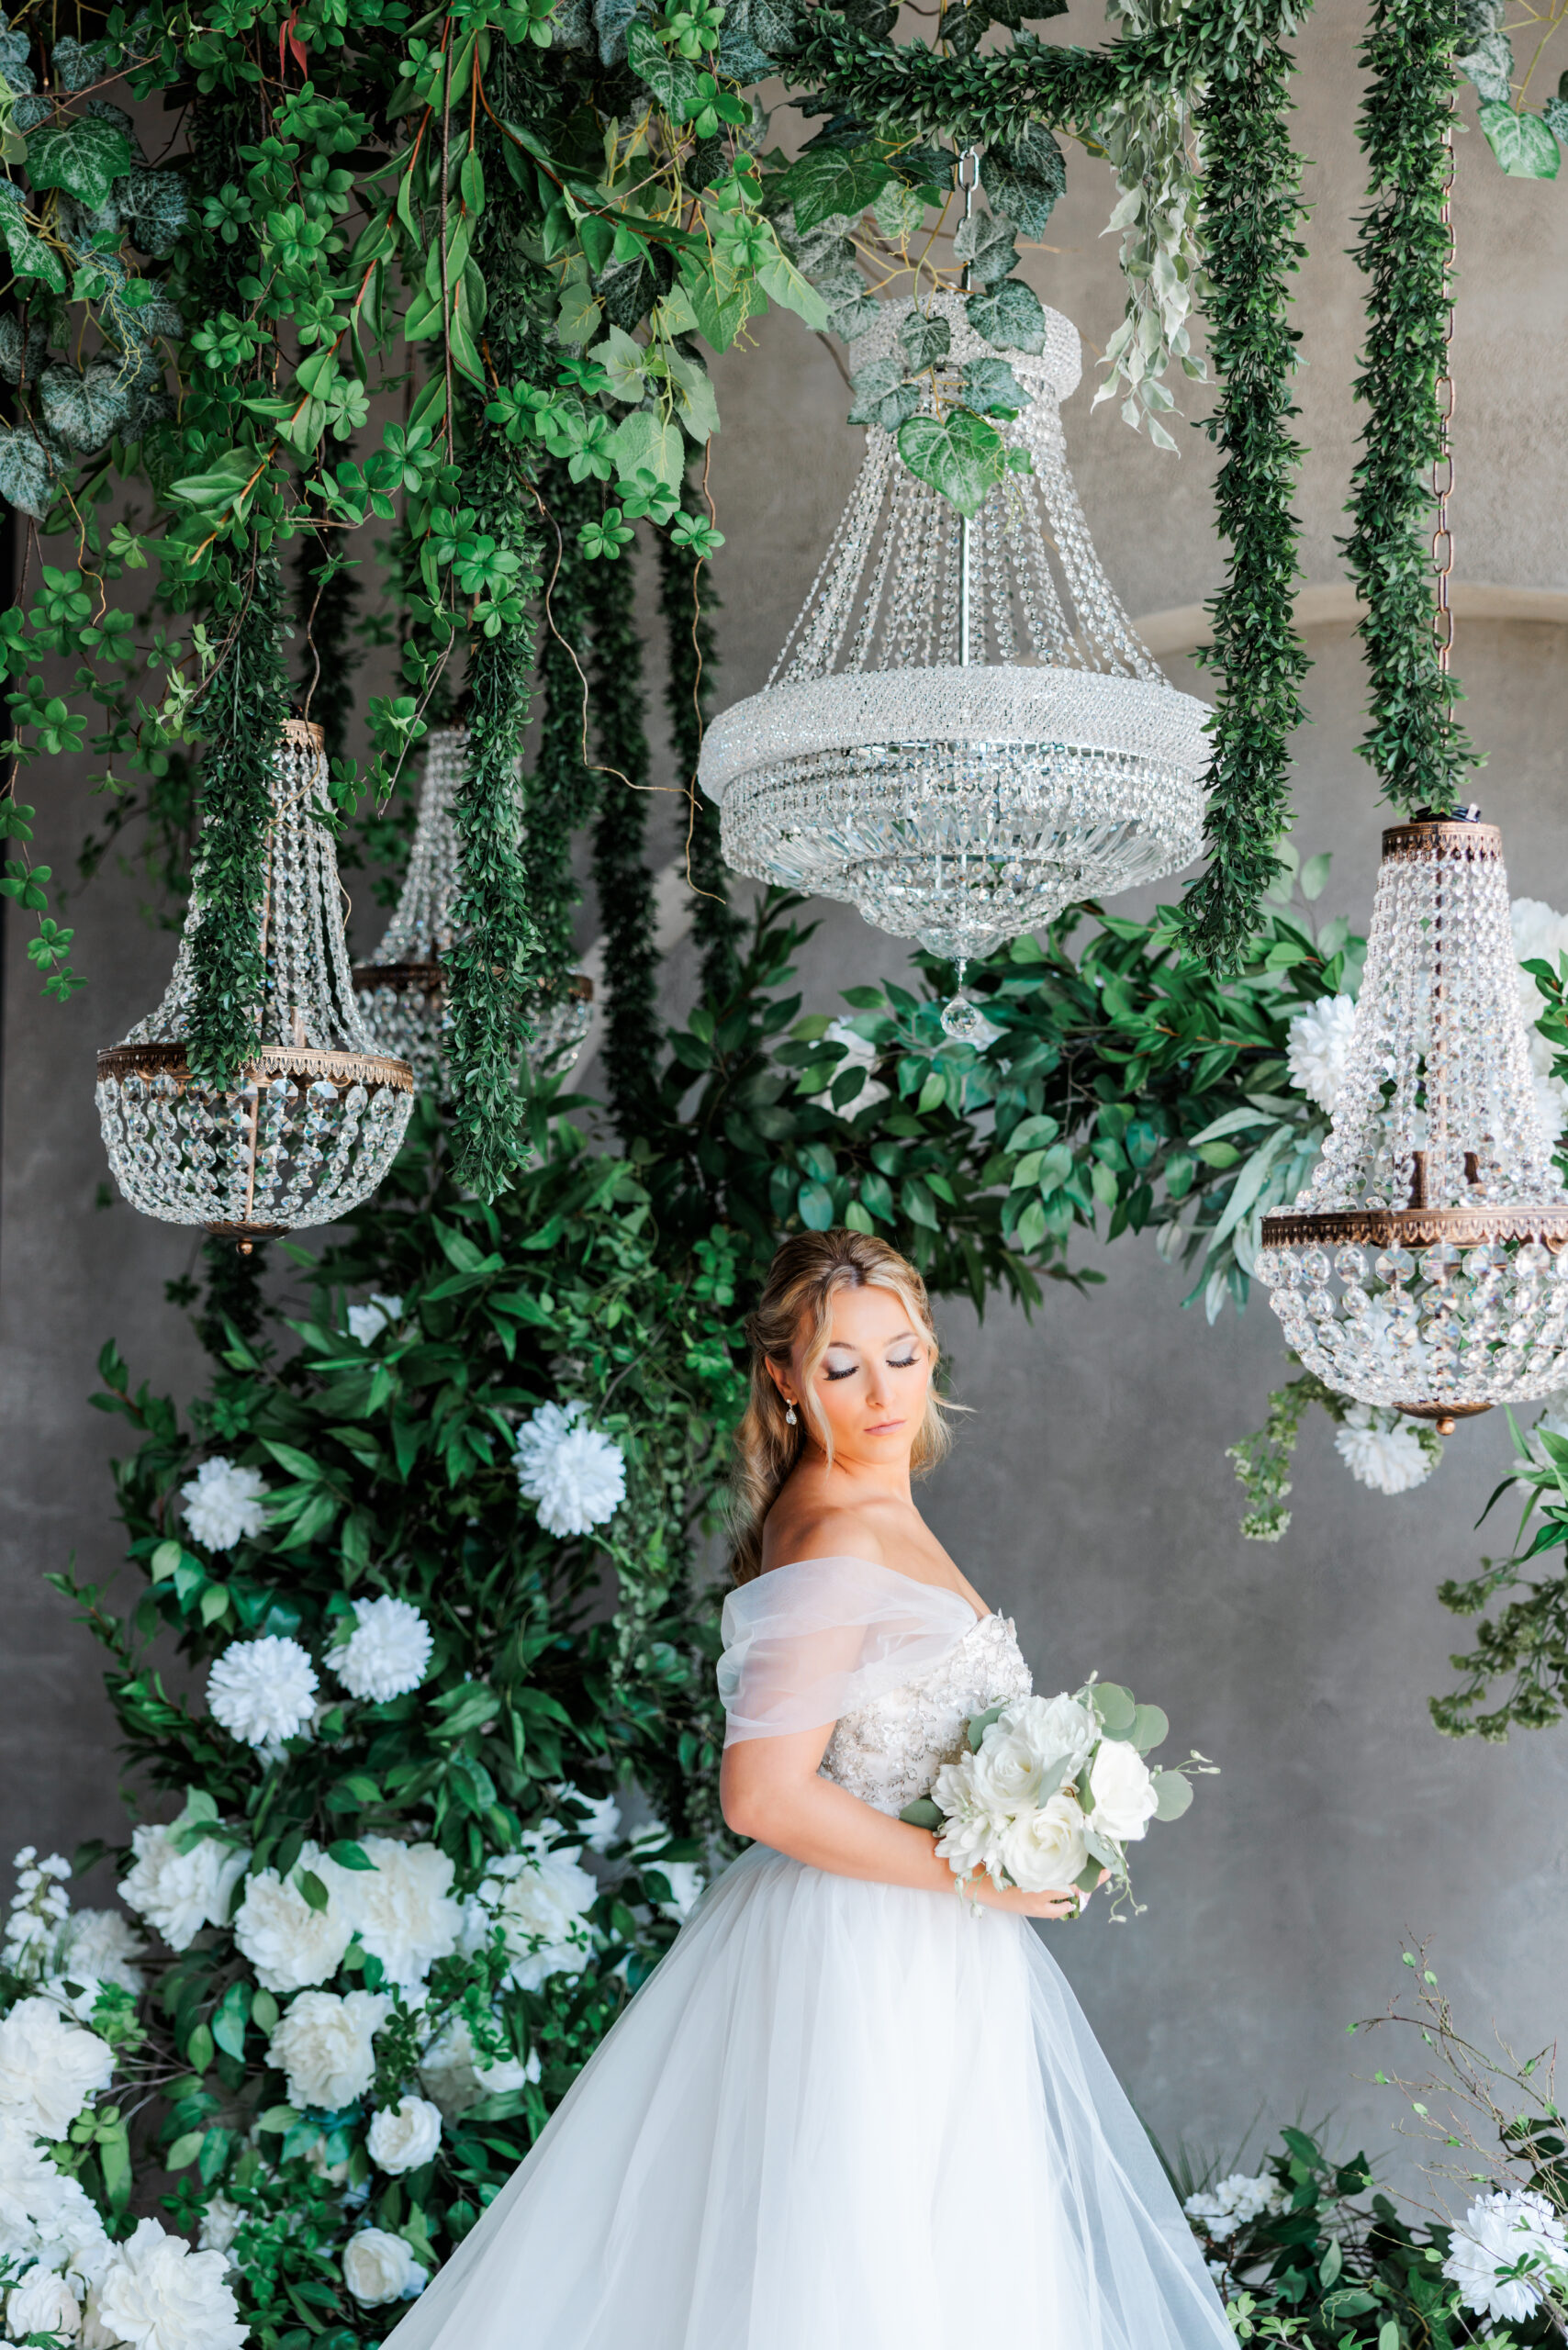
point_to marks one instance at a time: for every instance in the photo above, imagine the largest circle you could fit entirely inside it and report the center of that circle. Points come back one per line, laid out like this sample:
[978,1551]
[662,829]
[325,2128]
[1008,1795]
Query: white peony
[457,2076]
[179,1892]
[1234,2202]
[1540,936]
[388,1651]
[576,1476]
[539,1898]
[1057,1729]
[326,2046]
[1501,2231]
[224,1503]
[42,2303]
[685,1879]
[160,2295]
[1121,1788]
[1318,1050]
[1382,1451]
[402,1909]
[220,2223]
[380,2267]
[858,1054]
[404,2135]
[43,2214]
[292,1946]
[263,1691]
[602,1826]
[1044,1850]
[367,1322]
[49,2068]
[102,1945]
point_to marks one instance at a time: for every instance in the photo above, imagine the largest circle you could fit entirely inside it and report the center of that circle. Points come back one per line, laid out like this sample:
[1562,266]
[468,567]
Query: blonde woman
[846,2112]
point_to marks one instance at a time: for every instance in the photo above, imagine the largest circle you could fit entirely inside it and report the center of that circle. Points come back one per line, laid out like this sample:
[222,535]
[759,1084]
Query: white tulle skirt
[839,2116]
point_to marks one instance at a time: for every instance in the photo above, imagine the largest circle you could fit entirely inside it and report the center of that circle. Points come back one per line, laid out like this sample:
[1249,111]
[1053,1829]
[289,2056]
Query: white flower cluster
[400,1907]
[539,1899]
[576,1476]
[367,1322]
[1540,936]
[456,2074]
[181,1880]
[49,2067]
[1043,1792]
[224,1503]
[263,1692]
[1511,2252]
[69,1954]
[38,1909]
[388,1651]
[325,2046]
[1318,1050]
[1234,2202]
[1384,1450]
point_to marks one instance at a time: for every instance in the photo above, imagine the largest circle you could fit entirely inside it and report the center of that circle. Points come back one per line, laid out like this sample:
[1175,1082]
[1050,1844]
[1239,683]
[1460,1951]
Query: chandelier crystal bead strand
[963,734]
[1426,1265]
[317,1117]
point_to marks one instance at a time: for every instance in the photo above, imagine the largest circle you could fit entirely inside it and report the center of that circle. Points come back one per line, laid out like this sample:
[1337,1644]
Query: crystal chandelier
[402,988]
[316,1116]
[940,742]
[1426,1265]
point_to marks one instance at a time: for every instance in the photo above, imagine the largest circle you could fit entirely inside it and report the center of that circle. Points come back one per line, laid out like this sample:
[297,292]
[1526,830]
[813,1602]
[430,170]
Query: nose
[879,1387]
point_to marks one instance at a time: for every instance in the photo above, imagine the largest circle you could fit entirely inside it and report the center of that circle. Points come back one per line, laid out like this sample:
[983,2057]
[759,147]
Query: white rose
[1121,1790]
[380,2267]
[1008,1769]
[178,1893]
[1056,1729]
[326,2046]
[367,1322]
[457,2076]
[105,1946]
[42,2303]
[539,1899]
[292,1946]
[49,2068]
[404,2135]
[402,1909]
[160,2295]
[1044,1850]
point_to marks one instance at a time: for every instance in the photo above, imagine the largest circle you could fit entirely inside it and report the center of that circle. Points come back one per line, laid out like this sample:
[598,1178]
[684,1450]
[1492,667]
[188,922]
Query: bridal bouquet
[1053,1790]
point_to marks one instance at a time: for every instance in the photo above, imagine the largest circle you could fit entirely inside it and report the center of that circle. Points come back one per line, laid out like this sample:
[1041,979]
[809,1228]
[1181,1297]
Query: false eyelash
[908,1364]
[843,1374]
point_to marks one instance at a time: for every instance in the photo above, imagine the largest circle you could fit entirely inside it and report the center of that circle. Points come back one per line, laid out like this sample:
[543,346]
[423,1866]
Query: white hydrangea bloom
[1318,1048]
[42,2303]
[44,2215]
[48,2068]
[858,1054]
[325,2046]
[1541,934]
[160,2295]
[263,1690]
[1501,2231]
[379,2268]
[402,1909]
[1234,2202]
[178,1892]
[1382,1450]
[367,1322]
[456,2076]
[404,2135]
[292,1946]
[224,1503]
[576,1476]
[102,1946]
[685,1879]
[539,1899]
[602,1826]
[388,1651]
[39,1907]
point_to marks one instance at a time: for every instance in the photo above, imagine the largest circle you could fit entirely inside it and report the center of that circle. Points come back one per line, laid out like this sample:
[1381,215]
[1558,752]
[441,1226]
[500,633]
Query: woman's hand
[1051,1904]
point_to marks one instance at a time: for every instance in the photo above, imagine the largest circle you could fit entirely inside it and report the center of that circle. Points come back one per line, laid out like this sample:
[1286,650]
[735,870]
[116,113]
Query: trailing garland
[687,604]
[620,873]
[563,791]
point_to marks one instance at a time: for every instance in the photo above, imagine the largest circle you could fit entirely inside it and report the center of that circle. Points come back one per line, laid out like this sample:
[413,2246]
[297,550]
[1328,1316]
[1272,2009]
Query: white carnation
[220,2223]
[402,1909]
[49,2068]
[160,2295]
[104,1945]
[602,1826]
[1541,934]
[1121,1788]
[388,1654]
[1501,2231]
[685,1879]
[224,1503]
[292,1946]
[1044,1850]
[576,1476]
[404,2135]
[326,2046]
[42,2303]
[858,1054]
[457,2076]
[43,2214]
[263,1691]
[539,1899]
[367,1322]
[1318,1050]
[179,1892]
[1382,1451]
[380,2267]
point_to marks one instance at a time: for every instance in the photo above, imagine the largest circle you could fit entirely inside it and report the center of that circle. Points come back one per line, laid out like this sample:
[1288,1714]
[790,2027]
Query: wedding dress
[840,2115]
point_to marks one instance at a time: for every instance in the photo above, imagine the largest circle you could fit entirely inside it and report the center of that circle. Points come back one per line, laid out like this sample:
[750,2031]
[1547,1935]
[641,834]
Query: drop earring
[789,1418]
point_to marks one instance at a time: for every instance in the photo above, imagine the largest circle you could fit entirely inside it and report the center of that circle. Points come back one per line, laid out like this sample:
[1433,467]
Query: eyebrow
[849,1347]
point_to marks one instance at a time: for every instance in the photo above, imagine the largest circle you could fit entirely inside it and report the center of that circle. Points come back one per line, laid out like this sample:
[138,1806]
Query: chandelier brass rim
[1467,836]
[171,1060]
[1417,1228]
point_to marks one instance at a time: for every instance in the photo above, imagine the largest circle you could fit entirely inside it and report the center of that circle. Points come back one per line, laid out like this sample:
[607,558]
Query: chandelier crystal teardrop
[317,1117]
[402,988]
[1426,1265]
[963,734]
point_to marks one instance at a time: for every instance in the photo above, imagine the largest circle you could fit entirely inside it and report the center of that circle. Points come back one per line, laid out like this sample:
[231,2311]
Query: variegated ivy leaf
[991,388]
[985,244]
[1490,67]
[13,67]
[624,361]
[1008,316]
[85,409]
[30,257]
[85,158]
[27,471]
[76,65]
[882,394]
[157,206]
[899,212]
[694,400]
[1022,181]
[31,109]
[611,20]
[959,455]
[923,341]
[1521,142]
[571,25]
[11,352]
[828,183]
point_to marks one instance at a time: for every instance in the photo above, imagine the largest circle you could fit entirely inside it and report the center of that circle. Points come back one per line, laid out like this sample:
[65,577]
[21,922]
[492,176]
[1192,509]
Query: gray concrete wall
[1089,1494]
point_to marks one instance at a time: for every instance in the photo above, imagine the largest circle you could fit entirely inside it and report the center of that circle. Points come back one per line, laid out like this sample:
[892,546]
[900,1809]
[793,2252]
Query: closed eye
[906,1363]
[848,1373]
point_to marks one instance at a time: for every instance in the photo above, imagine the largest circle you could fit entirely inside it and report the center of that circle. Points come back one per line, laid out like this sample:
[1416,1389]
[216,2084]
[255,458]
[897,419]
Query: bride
[848,2111]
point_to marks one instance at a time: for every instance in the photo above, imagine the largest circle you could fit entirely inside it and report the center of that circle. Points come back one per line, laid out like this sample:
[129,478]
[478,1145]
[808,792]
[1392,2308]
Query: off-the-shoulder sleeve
[812,1642]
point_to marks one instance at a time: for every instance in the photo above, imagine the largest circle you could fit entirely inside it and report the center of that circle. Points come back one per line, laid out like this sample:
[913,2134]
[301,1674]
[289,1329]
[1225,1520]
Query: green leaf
[647,441]
[959,455]
[779,278]
[350,1855]
[30,257]
[1314,875]
[1173,1794]
[1009,316]
[827,182]
[1521,142]
[311,1886]
[814,1203]
[673,82]
[229,2018]
[1150,1729]
[84,157]
[1115,1708]
[922,1813]
[184,2150]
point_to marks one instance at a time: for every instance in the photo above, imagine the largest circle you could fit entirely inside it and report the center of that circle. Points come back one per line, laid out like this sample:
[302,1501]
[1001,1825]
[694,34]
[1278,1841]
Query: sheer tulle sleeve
[808,1644]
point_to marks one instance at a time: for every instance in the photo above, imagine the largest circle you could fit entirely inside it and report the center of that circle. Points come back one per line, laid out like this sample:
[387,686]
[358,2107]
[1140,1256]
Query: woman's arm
[770,1790]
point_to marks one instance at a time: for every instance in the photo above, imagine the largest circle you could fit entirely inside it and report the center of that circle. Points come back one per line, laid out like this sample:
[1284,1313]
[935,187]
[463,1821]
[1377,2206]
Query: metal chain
[1443,468]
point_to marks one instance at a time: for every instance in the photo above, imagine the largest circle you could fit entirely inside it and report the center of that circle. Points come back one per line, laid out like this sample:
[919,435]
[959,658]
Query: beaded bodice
[890,1751]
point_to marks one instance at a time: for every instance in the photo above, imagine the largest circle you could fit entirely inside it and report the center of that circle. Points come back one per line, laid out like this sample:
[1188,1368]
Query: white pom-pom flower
[367,1322]
[49,2068]
[177,1891]
[1513,2229]
[292,1946]
[388,1651]
[456,2074]
[102,1946]
[404,2135]
[224,1503]
[379,2268]
[402,1908]
[326,2046]
[263,1690]
[1382,1450]
[539,1899]
[160,2295]
[1318,1048]
[575,1475]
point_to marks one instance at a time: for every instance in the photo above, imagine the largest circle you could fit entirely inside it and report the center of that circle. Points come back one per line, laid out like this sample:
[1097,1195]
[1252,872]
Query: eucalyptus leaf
[1113,1708]
[1150,1729]
[1173,1794]
[980,1724]
[922,1813]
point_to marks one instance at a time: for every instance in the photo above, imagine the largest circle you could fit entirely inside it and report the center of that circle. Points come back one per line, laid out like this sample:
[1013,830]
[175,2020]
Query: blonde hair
[802,1282]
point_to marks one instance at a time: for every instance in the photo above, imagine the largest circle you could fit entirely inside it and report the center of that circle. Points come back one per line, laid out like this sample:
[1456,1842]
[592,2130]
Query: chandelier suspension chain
[966,184]
[1442,466]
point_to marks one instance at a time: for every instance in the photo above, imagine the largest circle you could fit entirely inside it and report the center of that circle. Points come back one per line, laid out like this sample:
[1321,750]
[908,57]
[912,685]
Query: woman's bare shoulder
[819,1530]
